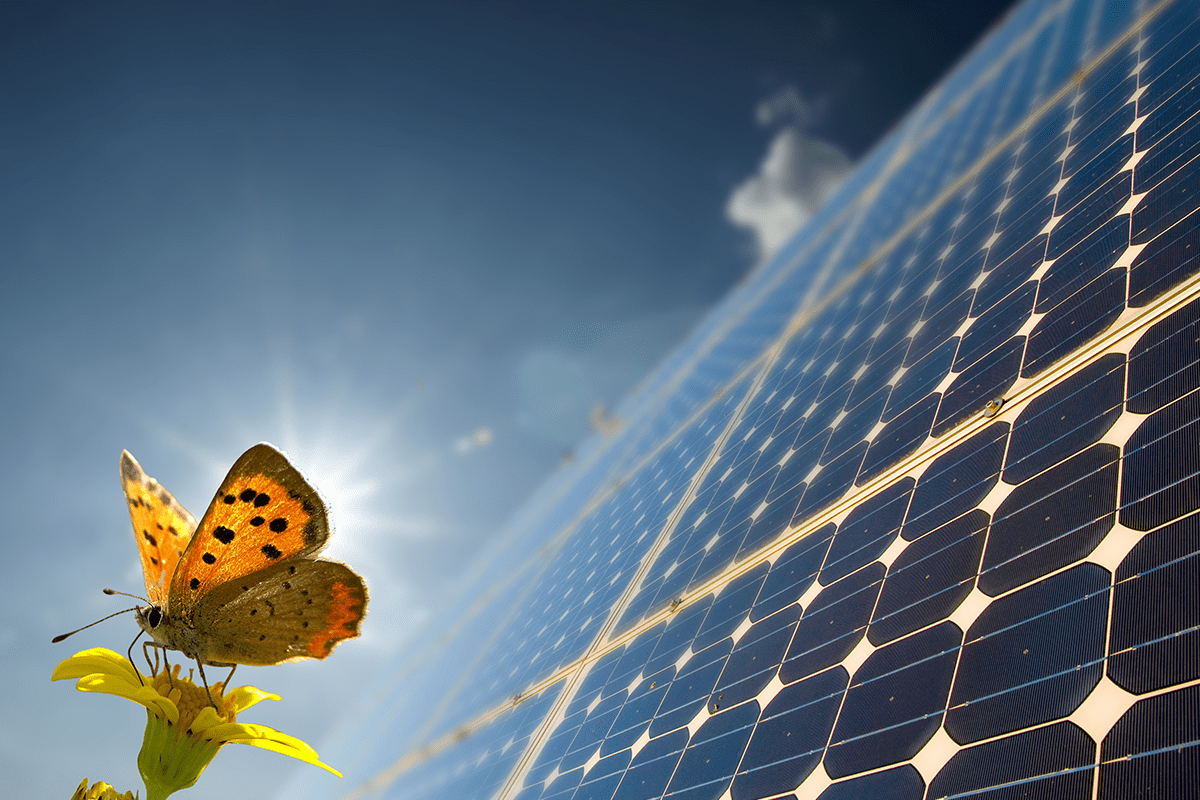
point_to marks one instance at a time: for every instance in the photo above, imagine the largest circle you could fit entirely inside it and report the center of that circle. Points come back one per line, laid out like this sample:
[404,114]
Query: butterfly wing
[294,610]
[161,525]
[264,513]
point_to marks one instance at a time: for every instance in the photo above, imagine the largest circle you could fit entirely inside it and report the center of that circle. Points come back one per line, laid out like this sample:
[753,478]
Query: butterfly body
[244,585]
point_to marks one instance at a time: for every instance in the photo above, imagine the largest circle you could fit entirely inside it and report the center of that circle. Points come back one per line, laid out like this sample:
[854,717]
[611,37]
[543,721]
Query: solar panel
[915,513]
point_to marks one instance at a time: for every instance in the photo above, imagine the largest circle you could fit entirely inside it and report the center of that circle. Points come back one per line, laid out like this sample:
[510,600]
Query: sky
[414,245]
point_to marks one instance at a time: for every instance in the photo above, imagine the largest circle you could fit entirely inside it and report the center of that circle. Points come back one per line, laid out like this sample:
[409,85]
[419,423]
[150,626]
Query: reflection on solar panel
[914,514]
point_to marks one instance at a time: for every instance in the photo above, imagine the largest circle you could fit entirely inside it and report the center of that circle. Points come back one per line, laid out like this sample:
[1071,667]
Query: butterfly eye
[154,617]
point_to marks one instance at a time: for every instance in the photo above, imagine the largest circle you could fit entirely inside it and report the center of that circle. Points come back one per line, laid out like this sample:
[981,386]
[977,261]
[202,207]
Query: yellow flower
[183,730]
[99,791]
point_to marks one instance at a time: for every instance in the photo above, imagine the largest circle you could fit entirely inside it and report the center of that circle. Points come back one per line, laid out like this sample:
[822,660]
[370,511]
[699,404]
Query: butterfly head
[148,617]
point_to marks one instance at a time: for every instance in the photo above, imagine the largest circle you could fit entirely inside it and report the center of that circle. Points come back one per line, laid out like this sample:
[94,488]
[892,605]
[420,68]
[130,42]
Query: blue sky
[411,244]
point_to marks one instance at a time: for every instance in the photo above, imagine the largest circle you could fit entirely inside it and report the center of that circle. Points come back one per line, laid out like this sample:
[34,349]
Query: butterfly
[244,586]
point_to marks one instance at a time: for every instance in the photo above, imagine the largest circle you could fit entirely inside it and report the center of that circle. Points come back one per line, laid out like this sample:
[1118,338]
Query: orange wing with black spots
[162,526]
[263,514]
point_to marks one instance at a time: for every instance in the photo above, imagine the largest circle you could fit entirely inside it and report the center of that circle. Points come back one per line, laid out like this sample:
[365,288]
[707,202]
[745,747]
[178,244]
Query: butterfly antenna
[60,637]
[126,594]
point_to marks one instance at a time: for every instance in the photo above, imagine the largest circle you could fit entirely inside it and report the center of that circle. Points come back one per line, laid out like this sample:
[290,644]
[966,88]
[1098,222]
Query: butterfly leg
[204,679]
[225,687]
[166,665]
[153,665]
[129,652]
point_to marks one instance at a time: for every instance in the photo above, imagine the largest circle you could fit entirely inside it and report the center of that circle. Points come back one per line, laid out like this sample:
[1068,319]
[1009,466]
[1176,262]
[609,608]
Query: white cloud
[789,107]
[795,177]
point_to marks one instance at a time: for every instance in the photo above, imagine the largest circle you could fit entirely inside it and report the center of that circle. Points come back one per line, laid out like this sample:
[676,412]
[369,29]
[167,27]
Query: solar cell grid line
[1036,389]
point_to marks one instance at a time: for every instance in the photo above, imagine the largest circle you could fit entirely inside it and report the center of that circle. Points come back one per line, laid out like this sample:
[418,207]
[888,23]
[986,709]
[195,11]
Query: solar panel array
[912,514]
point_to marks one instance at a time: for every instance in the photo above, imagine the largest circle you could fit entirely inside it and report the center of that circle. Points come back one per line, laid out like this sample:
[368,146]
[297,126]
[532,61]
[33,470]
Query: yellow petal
[268,739]
[246,696]
[97,659]
[103,671]
[144,695]
[206,719]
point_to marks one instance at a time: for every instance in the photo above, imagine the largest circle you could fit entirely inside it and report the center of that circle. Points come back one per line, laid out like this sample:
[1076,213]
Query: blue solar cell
[1070,416]
[781,501]
[790,738]
[1161,478]
[591,734]
[868,530]
[995,326]
[1085,262]
[634,659]
[1173,39]
[1073,322]
[755,659]
[793,572]
[1031,656]
[930,578]
[938,327]
[636,713]
[955,483]
[1151,752]
[688,694]
[1106,109]
[1051,520]
[1164,140]
[833,624]
[984,205]
[563,787]
[707,766]
[1165,365]
[651,769]
[1040,163]
[1018,250]
[832,481]
[600,782]
[1156,610]
[899,438]
[988,379]
[879,371]
[678,636]
[901,783]
[957,273]
[730,607]
[1057,762]
[1102,198]
[1171,257]
[919,380]
[859,421]
[895,702]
